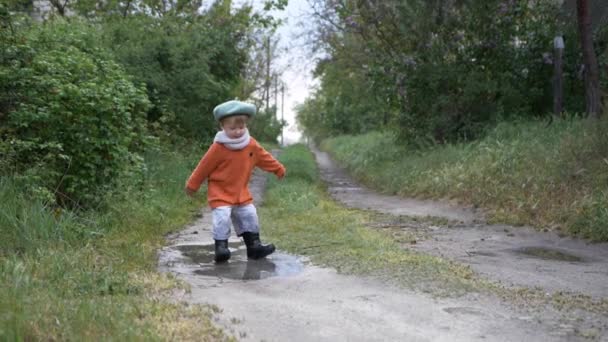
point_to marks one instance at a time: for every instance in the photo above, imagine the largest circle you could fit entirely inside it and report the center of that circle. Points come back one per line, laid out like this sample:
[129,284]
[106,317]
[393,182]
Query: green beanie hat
[233,107]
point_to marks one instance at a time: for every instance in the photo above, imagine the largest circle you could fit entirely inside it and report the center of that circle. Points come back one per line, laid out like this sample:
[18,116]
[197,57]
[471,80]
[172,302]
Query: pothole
[548,254]
[482,253]
[463,310]
[239,267]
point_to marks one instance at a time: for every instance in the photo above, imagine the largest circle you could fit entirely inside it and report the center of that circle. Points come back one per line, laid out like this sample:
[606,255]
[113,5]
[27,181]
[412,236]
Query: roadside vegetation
[73,276]
[301,218]
[458,102]
[552,177]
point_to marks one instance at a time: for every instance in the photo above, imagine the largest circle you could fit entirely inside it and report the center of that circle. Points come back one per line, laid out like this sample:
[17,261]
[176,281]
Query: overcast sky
[297,64]
[297,76]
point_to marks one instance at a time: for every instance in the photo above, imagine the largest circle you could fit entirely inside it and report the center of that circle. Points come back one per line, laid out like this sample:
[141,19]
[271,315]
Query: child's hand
[282,176]
[189,192]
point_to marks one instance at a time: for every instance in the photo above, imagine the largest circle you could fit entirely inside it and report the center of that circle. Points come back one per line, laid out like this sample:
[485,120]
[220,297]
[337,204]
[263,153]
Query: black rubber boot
[255,248]
[222,253]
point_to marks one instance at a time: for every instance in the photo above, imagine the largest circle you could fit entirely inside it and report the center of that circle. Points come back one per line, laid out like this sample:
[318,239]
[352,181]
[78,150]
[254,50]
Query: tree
[438,71]
[592,82]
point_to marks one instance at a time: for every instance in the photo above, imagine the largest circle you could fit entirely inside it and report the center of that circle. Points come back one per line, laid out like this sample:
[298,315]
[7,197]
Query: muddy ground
[286,298]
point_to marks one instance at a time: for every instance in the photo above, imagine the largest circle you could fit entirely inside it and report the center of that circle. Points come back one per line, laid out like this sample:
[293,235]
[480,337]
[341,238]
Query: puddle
[482,253]
[463,310]
[548,254]
[239,267]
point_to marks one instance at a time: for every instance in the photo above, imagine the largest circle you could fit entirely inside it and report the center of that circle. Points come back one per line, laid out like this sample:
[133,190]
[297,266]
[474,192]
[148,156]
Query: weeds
[92,275]
[553,177]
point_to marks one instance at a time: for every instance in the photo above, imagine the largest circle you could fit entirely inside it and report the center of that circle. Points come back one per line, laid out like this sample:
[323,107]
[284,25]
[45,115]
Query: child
[227,166]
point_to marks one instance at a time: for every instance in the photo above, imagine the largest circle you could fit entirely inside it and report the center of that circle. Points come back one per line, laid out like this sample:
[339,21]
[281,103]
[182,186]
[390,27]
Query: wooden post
[558,78]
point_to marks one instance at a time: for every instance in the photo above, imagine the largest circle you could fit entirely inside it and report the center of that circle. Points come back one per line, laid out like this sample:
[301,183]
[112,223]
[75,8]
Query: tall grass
[552,176]
[92,276]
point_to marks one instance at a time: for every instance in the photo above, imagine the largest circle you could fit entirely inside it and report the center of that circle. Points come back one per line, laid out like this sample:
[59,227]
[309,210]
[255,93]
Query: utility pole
[267,80]
[282,109]
[276,94]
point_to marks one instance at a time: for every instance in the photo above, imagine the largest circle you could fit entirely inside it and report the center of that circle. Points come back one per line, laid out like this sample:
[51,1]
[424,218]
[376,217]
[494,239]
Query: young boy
[227,166]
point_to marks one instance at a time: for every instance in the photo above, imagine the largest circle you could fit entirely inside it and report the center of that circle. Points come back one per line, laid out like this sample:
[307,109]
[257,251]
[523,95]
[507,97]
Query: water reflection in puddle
[548,254]
[239,267]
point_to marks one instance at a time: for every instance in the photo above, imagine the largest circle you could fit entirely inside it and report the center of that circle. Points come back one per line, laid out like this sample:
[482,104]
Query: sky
[294,61]
[298,74]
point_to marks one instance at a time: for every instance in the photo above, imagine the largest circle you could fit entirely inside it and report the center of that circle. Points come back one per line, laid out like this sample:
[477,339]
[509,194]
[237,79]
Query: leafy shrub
[189,64]
[265,126]
[72,122]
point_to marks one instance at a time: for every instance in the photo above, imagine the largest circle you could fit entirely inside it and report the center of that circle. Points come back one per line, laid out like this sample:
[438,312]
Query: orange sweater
[228,172]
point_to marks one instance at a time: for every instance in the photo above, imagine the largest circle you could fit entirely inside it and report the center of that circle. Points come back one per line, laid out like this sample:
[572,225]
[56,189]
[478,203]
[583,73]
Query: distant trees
[437,71]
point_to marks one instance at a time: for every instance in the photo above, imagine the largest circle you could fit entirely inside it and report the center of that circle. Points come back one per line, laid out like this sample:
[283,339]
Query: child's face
[235,126]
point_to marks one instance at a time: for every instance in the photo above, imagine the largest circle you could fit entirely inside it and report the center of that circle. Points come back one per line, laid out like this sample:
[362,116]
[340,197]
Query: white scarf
[233,144]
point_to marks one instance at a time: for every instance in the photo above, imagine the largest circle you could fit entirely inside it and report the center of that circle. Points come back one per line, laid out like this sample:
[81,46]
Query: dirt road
[515,256]
[286,298]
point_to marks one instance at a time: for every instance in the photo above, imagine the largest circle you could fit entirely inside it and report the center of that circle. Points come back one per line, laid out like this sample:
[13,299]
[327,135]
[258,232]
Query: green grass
[298,216]
[553,177]
[92,276]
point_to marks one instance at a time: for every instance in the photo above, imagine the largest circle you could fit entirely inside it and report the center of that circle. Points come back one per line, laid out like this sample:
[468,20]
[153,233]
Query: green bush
[265,126]
[188,63]
[92,276]
[73,123]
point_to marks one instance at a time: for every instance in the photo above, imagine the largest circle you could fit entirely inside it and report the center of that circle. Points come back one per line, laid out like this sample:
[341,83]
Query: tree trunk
[59,6]
[592,83]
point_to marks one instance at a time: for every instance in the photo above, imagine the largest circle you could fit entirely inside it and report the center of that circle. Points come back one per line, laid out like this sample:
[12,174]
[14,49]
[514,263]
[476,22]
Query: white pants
[244,219]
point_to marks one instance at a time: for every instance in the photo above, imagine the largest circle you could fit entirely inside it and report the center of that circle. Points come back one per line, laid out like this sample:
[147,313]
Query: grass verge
[552,177]
[92,276]
[299,216]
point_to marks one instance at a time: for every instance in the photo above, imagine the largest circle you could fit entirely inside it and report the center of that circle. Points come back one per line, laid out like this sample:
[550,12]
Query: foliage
[436,71]
[79,98]
[522,172]
[92,275]
[72,122]
[189,63]
[265,126]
